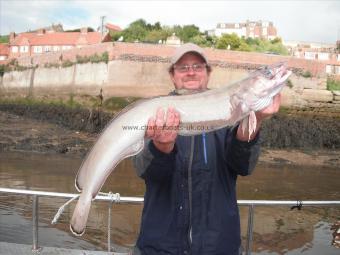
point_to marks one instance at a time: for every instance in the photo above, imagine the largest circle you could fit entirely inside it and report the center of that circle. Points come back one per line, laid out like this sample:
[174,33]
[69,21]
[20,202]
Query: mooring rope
[113,197]
[62,208]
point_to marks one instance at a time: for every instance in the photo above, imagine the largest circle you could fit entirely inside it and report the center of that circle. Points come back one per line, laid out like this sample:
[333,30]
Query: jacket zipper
[190,189]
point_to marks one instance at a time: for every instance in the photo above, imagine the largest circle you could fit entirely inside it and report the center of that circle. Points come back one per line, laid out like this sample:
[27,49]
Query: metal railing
[139,200]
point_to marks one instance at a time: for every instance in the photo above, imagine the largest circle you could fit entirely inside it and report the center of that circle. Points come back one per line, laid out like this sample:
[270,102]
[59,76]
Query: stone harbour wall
[141,70]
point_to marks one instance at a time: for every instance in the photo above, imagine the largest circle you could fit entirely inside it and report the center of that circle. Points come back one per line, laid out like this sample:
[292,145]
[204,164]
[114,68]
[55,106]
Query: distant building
[310,50]
[173,40]
[249,29]
[112,28]
[49,29]
[326,52]
[28,44]
[4,51]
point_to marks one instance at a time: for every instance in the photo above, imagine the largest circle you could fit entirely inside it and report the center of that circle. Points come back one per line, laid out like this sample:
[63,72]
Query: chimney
[11,37]
[83,30]
[41,31]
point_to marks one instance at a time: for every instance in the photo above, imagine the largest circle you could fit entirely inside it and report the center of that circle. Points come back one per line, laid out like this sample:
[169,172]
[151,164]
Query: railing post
[109,228]
[35,220]
[250,229]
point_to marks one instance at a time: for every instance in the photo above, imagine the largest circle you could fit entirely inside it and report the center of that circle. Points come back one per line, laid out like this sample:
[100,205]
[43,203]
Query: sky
[299,20]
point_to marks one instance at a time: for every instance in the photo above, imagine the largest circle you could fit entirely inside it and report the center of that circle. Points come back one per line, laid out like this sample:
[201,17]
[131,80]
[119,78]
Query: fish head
[270,80]
[265,83]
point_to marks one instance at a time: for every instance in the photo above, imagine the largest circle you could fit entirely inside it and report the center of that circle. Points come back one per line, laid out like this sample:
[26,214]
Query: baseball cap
[185,48]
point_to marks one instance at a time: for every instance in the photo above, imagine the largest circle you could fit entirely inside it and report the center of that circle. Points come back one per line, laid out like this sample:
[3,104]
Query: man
[190,204]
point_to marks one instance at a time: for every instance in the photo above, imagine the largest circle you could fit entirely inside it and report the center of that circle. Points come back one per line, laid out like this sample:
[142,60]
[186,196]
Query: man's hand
[260,116]
[163,131]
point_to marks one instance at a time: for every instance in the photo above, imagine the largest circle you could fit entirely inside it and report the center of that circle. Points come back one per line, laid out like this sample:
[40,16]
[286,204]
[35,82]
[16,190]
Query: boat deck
[25,249]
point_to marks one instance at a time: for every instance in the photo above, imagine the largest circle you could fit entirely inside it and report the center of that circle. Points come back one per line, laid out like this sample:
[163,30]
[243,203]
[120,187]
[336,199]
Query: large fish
[199,112]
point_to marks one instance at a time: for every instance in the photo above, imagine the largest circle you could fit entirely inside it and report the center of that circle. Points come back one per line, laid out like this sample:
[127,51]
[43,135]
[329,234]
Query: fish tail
[80,214]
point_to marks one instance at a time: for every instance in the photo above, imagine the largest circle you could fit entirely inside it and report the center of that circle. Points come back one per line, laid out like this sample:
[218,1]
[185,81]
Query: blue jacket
[194,211]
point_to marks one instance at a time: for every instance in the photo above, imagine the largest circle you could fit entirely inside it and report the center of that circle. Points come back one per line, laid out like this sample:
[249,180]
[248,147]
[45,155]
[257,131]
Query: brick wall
[162,53]
[57,57]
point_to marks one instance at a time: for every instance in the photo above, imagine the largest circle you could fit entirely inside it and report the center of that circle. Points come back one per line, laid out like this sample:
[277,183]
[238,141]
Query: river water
[277,230]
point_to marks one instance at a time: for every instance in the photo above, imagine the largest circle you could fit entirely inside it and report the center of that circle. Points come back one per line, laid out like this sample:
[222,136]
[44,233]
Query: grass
[74,101]
[29,101]
[117,103]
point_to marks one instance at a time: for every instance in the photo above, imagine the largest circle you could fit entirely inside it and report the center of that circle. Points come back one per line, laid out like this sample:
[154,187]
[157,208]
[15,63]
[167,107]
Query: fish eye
[267,72]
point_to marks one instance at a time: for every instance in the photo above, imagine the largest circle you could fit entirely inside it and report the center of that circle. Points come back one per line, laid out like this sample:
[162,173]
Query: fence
[120,199]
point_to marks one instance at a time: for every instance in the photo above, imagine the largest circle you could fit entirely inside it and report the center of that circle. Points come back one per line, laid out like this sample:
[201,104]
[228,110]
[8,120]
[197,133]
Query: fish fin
[252,123]
[261,103]
[76,184]
[80,214]
[244,124]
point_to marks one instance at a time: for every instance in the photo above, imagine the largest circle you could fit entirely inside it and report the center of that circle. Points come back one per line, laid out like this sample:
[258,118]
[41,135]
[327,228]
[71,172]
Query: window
[310,55]
[66,47]
[323,56]
[55,48]
[23,49]
[337,70]
[329,69]
[37,49]
[15,49]
[47,48]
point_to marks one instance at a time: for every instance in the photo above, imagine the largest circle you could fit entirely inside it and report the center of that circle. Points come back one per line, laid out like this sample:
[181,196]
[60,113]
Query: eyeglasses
[195,67]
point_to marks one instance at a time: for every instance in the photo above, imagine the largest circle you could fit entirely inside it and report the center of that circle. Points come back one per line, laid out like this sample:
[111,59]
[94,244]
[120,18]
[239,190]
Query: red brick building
[4,51]
[29,44]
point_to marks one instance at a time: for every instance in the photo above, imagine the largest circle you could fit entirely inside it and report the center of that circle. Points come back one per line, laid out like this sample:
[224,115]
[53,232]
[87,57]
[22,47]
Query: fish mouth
[75,232]
[273,71]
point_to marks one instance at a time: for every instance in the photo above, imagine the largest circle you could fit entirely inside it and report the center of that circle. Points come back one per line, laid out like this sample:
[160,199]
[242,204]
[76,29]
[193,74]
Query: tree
[244,46]
[155,35]
[200,40]
[228,40]
[187,32]
[276,40]
[4,39]
[137,30]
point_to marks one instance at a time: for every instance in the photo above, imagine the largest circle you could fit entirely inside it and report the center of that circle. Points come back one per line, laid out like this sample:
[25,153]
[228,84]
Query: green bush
[13,65]
[307,74]
[51,65]
[67,63]
[95,58]
[105,57]
[333,84]
[2,70]
[289,83]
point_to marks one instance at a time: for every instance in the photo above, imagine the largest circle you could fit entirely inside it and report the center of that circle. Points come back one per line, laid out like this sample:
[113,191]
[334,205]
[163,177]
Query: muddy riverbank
[287,137]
